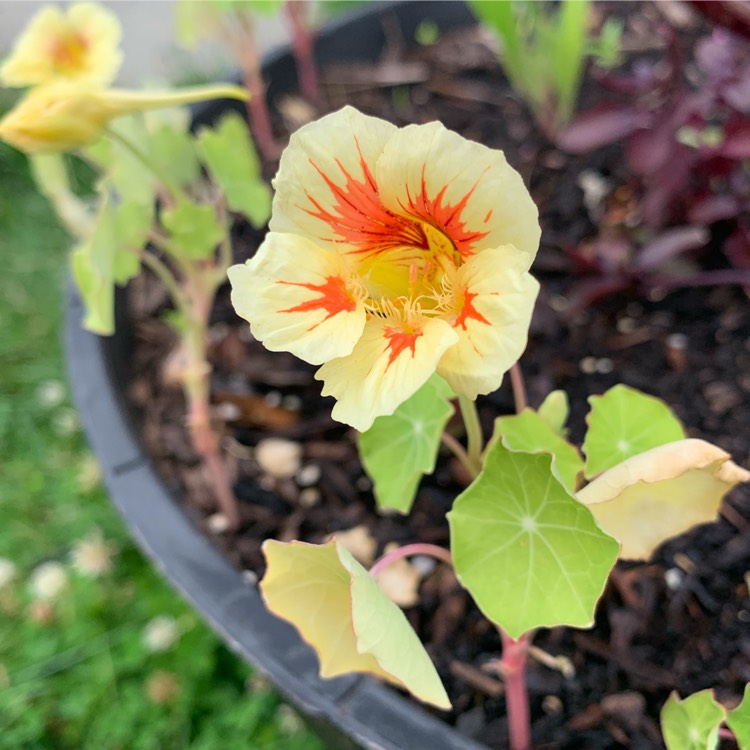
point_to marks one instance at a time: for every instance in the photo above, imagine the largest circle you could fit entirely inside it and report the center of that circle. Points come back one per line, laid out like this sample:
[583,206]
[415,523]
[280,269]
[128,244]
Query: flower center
[411,280]
[68,52]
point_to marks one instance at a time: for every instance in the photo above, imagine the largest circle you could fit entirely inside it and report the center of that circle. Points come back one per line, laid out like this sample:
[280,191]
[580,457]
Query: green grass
[75,673]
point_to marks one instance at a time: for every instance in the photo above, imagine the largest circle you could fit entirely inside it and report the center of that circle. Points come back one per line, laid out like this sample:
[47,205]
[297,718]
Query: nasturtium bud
[66,116]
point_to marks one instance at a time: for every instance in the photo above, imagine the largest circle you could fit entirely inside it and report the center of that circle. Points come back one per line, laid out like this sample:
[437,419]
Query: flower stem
[408,550]
[459,452]
[513,667]
[302,47]
[473,433]
[519,388]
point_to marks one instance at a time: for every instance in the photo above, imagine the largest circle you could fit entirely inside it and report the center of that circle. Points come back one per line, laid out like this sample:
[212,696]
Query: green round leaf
[528,552]
[530,432]
[399,449]
[624,422]
[693,723]
[739,721]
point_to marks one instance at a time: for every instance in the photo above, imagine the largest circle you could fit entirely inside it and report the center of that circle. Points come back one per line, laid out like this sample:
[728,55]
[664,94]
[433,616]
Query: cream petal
[660,493]
[466,189]
[325,189]
[496,296]
[297,298]
[386,367]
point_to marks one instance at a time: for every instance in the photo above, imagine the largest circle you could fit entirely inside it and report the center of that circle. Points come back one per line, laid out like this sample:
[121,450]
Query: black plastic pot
[348,712]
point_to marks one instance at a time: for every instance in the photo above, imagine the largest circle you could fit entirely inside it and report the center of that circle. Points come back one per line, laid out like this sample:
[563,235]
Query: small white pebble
[604,366]
[552,705]
[8,572]
[587,365]
[273,399]
[161,633]
[50,394]
[558,303]
[309,497]
[673,578]
[278,458]
[626,325]
[218,523]
[308,475]
[48,581]
[266,483]
[250,577]
[292,402]
[743,615]
[228,412]
[424,564]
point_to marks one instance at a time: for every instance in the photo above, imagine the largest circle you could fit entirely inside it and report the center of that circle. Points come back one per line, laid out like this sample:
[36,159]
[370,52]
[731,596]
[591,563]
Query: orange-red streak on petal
[358,216]
[468,311]
[334,298]
[447,217]
[398,342]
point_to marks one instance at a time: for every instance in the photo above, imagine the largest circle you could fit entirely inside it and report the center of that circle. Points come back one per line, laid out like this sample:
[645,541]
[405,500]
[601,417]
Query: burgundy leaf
[736,144]
[667,186]
[601,125]
[585,293]
[737,247]
[669,244]
[737,93]
[710,208]
[731,14]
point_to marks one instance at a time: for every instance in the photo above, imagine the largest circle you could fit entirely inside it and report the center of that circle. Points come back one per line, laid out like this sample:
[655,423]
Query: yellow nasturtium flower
[80,45]
[393,254]
[65,116]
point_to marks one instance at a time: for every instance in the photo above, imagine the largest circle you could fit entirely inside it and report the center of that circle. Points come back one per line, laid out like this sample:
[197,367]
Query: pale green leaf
[738,720]
[529,432]
[528,552]
[554,410]
[228,152]
[344,615]
[174,151]
[624,422]
[399,449]
[693,723]
[133,224]
[97,294]
[194,228]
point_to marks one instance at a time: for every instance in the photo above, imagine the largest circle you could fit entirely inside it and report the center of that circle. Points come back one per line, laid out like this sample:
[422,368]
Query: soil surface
[680,621]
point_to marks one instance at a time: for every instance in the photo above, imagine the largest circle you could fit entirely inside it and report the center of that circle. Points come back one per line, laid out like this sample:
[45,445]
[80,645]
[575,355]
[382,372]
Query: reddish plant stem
[200,292]
[513,667]
[408,550]
[302,47]
[243,41]
[519,388]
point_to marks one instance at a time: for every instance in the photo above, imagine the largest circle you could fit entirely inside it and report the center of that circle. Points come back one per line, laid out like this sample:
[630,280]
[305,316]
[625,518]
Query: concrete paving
[151,52]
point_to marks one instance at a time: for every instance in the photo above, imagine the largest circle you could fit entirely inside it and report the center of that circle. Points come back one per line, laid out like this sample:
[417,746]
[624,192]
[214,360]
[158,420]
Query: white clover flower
[92,557]
[161,633]
[8,572]
[48,581]
[50,394]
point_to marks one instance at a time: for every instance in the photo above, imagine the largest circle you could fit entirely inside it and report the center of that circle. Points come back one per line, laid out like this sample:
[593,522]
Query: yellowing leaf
[398,449]
[530,433]
[528,552]
[623,423]
[342,613]
[739,721]
[655,495]
[693,723]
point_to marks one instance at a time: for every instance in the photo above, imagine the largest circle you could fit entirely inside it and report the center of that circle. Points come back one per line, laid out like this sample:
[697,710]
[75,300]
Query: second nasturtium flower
[393,253]
[80,45]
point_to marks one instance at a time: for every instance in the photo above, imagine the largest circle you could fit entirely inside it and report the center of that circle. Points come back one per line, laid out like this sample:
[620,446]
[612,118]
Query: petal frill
[325,186]
[495,298]
[465,189]
[387,366]
[298,298]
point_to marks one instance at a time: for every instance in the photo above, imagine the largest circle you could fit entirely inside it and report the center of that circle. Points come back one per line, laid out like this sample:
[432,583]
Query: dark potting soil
[678,622]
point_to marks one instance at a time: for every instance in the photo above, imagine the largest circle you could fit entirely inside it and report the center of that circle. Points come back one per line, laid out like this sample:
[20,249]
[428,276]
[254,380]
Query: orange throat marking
[334,298]
[398,342]
[468,311]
